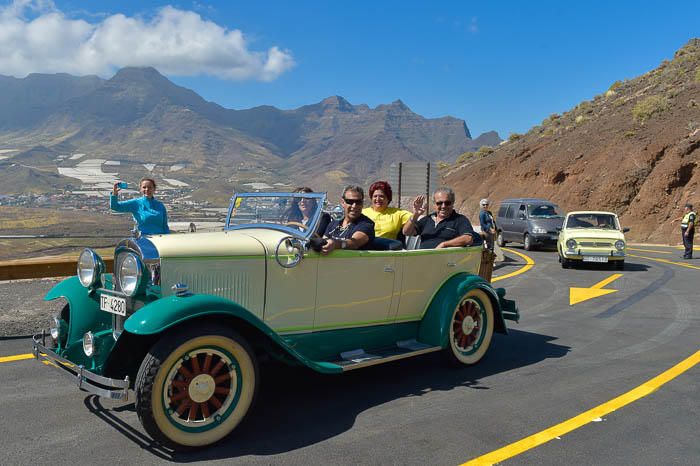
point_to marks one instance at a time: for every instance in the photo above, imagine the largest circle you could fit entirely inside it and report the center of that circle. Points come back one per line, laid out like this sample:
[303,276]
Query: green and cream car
[592,236]
[185,318]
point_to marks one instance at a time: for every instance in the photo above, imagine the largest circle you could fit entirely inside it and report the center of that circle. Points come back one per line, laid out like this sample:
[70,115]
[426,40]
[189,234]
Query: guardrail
[43,267]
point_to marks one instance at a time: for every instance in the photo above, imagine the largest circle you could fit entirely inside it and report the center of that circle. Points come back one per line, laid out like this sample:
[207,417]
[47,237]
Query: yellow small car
[592,236]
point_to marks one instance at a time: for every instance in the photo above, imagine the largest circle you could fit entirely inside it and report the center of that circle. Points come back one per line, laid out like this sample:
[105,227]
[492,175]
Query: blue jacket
[149,214]
[486,221]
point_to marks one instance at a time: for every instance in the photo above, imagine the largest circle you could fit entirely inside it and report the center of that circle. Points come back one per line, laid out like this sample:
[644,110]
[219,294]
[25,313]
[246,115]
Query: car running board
[358,358]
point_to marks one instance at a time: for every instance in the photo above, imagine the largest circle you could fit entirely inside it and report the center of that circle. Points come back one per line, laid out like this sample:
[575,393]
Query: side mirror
[558,228]
[625,230]
[337,213]
[292,254]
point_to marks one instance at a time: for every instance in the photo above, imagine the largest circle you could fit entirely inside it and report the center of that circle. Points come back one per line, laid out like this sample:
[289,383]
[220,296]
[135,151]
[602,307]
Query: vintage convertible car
[592,237]
[185,318]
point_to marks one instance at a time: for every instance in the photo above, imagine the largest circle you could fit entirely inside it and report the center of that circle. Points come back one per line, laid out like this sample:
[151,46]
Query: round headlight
[130,274]
[88,344]
[619,245]
[90,266]
[571,243]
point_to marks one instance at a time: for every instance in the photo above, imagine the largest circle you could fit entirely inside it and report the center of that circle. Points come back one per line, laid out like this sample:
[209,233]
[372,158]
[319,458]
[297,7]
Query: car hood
[549,224]
[220,243]
[594,233]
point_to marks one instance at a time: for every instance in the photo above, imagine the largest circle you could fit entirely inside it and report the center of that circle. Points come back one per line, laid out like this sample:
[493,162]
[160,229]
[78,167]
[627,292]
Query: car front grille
[595,244]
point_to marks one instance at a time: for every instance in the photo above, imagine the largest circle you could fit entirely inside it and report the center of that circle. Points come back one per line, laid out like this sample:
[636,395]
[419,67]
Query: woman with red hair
[388,221]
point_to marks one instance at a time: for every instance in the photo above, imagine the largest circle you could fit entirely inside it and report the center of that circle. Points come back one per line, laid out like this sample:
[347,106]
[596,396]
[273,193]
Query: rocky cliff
[634,149]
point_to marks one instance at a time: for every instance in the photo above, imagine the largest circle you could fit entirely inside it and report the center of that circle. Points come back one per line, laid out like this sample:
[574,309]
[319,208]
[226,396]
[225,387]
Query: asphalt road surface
[592,380]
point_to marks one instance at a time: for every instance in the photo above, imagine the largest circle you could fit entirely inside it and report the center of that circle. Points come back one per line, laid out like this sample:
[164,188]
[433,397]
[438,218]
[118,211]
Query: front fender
[84,308]
[167,312]
[434,327]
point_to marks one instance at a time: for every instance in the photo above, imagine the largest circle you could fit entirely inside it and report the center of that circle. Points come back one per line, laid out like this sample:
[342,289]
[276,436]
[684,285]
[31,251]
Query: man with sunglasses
[354,230]
[444,228]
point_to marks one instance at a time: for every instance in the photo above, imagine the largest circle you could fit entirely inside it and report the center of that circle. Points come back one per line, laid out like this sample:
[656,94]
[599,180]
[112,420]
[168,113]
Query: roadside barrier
[43,267]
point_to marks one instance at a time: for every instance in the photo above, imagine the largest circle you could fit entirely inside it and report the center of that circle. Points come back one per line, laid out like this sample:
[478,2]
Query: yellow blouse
[387,224]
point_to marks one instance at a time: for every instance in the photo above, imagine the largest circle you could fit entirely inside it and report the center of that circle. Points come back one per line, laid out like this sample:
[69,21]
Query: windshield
[602,221]
[295,213]
[544,211]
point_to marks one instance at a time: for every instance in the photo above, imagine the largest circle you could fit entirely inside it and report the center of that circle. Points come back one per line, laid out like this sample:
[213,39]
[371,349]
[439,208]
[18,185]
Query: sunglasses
[353,201]
[447,203]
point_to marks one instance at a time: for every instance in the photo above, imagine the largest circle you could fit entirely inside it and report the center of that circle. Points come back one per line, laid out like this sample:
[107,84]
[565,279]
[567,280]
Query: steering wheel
[297,224]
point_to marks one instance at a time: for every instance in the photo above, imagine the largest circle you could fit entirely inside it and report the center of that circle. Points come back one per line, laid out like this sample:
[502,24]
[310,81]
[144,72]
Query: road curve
[559,366]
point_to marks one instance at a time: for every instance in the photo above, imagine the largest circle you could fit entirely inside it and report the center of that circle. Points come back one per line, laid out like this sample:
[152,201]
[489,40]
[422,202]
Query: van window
[511,211]
[544,211]
[502,210]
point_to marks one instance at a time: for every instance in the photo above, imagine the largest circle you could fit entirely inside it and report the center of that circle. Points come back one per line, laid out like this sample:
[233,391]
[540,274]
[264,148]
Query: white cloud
[36,37]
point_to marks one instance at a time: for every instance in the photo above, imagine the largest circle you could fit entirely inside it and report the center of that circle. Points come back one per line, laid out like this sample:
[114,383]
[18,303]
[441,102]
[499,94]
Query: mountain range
[140,117]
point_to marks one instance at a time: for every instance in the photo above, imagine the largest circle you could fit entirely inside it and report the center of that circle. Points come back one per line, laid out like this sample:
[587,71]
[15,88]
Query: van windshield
[544,211]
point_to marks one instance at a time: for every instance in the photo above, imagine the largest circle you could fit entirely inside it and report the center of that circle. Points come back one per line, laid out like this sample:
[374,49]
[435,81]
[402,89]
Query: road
[559,363]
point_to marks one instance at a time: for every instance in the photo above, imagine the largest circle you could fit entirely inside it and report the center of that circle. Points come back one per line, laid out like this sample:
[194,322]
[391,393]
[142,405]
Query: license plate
[113,304]
[600,259]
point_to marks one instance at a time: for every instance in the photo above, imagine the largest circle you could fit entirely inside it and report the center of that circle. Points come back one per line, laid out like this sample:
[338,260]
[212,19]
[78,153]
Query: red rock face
[634,150]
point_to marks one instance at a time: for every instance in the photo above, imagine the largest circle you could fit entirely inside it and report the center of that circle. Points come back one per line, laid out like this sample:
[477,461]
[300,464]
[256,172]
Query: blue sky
[498,65]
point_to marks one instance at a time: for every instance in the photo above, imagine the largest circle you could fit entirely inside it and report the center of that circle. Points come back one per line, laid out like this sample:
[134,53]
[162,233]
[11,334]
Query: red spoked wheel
[471,328]
[195,386]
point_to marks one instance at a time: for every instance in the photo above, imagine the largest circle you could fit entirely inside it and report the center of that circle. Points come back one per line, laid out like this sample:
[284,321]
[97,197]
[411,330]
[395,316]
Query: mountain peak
[398,103]
[135,74]
[396,107]
[336,102]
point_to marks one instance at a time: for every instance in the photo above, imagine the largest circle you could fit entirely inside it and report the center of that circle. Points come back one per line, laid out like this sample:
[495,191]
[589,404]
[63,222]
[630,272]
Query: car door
[290,301]
[519,222]
[508,223]
[355,288]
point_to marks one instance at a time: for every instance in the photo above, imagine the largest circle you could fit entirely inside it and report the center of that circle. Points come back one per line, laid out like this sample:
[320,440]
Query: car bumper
[579,254]
[544,240]
[115,389]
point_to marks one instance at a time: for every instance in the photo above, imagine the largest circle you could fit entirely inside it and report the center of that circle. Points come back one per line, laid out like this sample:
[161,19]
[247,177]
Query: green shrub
[630,134]
[644,109]
[484,150]
[614,86]
[464,157]
[514,137]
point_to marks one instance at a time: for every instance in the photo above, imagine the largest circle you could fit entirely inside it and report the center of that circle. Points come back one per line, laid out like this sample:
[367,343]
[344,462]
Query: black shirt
[453,226]
[363,224]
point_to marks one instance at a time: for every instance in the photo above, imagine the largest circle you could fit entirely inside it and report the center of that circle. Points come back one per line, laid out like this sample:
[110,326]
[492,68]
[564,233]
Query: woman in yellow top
[388,221]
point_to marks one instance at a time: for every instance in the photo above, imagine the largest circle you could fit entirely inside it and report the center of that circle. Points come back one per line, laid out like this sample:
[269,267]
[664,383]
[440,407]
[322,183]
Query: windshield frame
[616,221]
[531,207]
[319,197]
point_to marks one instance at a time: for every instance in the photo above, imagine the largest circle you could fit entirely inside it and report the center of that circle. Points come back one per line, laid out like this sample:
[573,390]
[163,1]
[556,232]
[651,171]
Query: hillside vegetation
[633,149]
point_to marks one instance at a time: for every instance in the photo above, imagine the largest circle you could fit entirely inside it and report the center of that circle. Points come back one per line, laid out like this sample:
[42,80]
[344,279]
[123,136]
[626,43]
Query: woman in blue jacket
[149,213]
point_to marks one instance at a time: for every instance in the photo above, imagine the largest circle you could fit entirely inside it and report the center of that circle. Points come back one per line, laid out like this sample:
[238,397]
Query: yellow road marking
[577,295]
[682,264]
[650,250]
[607,281]
[16,357]
[582,419]
[529,263]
